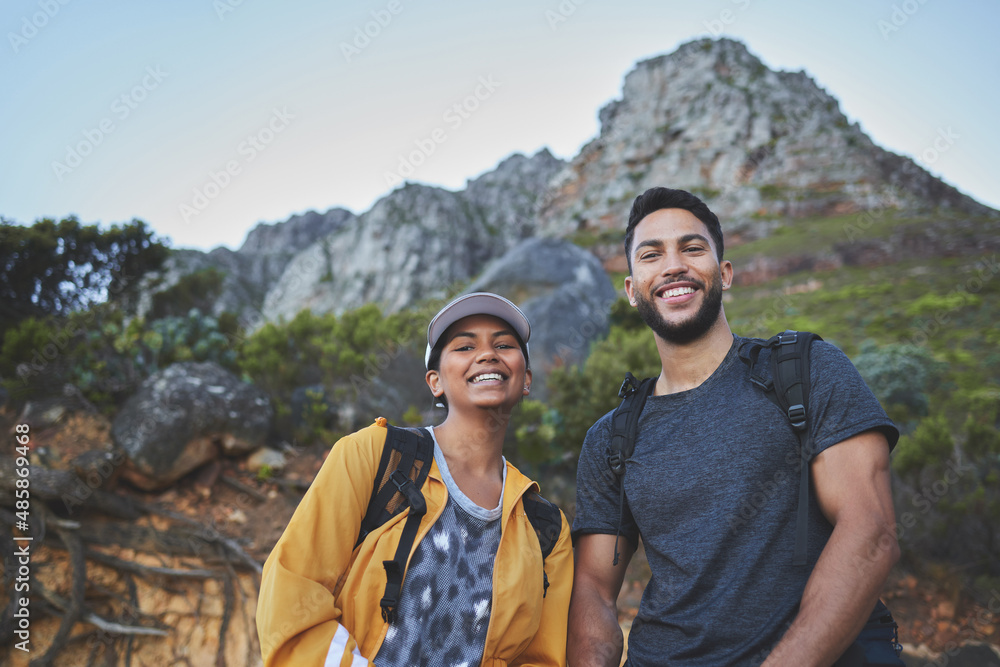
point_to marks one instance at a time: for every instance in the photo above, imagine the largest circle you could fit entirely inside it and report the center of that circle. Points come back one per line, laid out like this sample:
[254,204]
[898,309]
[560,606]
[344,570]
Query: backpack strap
[624,428]
[406,460]
[546,519]
[788,388]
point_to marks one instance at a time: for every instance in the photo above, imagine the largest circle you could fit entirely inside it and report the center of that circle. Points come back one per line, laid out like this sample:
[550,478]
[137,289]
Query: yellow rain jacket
[319,598]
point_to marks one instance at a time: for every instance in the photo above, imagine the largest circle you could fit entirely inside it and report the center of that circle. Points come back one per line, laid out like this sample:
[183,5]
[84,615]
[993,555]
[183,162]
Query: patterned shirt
[447,595]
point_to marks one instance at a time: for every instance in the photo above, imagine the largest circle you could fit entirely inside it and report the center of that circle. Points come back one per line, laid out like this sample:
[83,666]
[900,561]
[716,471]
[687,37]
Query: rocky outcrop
[566,295]
[249,272]
[417,242]
[755,143]
[186,415]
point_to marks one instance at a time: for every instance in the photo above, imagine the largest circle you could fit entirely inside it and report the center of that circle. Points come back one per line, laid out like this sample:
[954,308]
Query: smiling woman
[486,577]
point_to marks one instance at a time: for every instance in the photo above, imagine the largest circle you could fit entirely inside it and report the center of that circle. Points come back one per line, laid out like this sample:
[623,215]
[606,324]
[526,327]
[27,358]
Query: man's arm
[595,638]
[851,480]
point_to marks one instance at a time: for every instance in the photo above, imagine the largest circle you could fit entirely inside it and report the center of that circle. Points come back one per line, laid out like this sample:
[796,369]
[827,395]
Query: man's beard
[689,330]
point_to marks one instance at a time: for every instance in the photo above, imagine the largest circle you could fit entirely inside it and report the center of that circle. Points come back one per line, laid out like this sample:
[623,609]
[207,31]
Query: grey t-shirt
[447,595]
[712,488]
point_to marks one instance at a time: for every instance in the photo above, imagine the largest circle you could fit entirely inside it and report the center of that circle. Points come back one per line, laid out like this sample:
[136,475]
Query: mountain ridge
[763,147]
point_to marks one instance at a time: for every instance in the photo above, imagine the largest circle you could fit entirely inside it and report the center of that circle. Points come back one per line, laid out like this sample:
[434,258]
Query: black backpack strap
[406,460]
[624,428]
[546,519]
[789,390]
[408,451]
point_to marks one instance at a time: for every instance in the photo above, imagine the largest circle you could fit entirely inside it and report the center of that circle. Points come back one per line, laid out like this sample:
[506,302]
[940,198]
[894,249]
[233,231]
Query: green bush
[197,290]
[339,353]
[33,357]
[535,426]
[928,446]
[105,356]
[579,396]
[900,375]
[195,337]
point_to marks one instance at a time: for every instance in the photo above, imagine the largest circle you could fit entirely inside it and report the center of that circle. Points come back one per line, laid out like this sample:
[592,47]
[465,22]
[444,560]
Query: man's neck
[685,366]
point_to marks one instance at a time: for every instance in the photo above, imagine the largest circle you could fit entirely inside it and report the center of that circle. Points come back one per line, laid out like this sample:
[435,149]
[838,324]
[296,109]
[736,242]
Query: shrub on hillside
[340,354]
[947,488]
[103,355]
[197,290]
[900,375]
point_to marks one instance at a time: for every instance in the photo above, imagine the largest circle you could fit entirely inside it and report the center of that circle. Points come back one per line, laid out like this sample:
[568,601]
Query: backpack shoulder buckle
[629,386]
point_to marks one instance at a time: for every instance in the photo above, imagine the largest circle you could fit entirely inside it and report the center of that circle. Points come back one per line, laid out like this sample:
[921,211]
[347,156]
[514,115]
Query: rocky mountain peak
[713,119]
[417,242]
[294,234]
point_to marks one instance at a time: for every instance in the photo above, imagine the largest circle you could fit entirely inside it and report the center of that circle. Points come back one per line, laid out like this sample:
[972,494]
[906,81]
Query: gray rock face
[250,271]
[565,293]
[417,242]
[185,416]
[712,119]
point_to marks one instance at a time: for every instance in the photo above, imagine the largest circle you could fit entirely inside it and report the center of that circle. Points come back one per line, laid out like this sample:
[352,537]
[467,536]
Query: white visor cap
[477,303]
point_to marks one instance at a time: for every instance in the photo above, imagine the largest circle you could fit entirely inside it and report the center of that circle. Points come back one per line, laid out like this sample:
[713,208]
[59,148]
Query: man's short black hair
[654,199]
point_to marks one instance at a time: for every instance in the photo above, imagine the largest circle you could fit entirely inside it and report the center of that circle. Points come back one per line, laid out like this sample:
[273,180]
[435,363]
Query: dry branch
[74,609]
[64,486]
[90,617]
[150,570]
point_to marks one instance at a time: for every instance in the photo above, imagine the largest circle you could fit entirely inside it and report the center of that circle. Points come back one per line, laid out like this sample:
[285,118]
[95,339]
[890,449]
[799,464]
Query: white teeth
[487,376]
[678,291]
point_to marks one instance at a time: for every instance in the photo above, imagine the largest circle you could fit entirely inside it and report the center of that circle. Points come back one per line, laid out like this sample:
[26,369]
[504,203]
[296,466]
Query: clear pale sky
[120,110]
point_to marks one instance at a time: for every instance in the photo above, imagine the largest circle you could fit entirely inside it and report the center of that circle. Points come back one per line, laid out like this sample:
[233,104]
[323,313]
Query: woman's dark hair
[654,199]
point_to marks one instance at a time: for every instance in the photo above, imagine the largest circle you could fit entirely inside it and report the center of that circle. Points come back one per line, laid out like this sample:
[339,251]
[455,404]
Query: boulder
[271,459]
[185,416]
[564,291]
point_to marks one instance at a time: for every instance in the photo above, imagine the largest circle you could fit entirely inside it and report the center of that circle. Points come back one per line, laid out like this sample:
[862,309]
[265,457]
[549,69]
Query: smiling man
[725,591]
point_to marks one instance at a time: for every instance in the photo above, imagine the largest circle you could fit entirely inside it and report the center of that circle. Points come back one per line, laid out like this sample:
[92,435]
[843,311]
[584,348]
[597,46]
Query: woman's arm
[298,621]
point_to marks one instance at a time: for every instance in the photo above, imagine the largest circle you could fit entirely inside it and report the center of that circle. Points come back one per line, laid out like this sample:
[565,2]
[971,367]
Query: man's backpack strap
[789,390]
[624,428]
[546,519]
[406,460]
